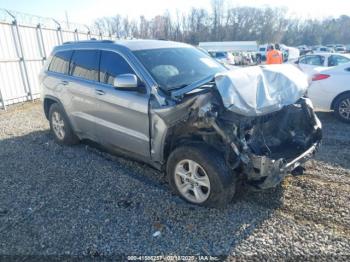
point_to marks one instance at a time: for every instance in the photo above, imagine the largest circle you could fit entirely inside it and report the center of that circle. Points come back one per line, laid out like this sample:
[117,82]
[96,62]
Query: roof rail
[88,41]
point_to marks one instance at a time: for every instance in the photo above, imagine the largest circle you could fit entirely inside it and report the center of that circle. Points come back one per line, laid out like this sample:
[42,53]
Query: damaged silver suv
[175,108]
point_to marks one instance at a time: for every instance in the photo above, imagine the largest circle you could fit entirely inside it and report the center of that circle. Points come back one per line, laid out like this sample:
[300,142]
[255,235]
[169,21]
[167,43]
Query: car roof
[133,45]
[328,54]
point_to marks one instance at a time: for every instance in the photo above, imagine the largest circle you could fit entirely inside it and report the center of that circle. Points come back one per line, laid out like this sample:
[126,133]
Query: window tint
[84,64]
[335,60]
[112,65]
[60,62]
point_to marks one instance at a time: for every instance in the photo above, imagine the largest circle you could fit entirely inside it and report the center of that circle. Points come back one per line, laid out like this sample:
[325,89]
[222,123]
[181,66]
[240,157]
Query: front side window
[60,62]
[174,68]
[84,64]
[112,65]
[302,60]
[314,60]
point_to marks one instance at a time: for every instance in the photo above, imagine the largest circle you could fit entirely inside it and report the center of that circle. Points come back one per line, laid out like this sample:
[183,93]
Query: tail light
[317,77]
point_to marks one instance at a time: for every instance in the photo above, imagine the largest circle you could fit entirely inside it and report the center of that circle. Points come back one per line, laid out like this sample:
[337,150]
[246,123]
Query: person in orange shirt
[273,56]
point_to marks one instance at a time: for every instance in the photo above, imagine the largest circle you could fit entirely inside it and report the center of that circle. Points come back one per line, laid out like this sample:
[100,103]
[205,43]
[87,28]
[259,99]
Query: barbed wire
[7,16]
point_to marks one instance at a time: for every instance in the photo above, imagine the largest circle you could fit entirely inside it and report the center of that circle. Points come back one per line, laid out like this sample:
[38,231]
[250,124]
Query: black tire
[69,138]
[222,179]
[338,104]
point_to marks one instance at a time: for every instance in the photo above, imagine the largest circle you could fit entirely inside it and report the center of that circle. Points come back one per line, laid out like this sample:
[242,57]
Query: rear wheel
[342,108]
[200,175]
[60,126]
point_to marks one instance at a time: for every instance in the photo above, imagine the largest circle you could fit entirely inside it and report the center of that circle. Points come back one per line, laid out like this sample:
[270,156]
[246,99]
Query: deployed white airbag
[259,90]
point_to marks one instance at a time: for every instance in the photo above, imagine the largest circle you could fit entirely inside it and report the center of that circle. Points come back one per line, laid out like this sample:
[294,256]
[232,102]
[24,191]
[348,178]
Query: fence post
[19,50]
[76,35]
[88,34]
[2,100]
[39,35]
[58,32]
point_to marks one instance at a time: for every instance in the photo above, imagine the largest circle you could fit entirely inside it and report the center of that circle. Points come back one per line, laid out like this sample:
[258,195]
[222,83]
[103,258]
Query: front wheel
[342,108]
[200,175]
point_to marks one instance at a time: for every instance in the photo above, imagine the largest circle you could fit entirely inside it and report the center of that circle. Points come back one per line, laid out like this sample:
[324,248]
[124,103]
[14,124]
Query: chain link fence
[25,43]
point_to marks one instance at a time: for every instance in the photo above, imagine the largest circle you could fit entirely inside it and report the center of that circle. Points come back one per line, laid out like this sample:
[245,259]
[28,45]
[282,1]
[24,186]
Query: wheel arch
[177,137]
[48,102]
[347,92]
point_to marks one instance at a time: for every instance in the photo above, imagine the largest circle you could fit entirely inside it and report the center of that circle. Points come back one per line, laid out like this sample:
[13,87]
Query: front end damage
[262,148]
[273,145]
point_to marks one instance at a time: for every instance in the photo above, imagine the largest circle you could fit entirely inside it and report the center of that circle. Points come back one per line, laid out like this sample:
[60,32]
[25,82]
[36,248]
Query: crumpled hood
[259,90]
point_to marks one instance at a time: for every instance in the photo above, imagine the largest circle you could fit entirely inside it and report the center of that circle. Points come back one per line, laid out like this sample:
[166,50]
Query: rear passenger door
[122,114]
[80,95]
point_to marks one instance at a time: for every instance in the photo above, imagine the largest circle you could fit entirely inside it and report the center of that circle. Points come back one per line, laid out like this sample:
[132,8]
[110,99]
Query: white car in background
[340,48]
[311,63]
[322,49]
[330,90]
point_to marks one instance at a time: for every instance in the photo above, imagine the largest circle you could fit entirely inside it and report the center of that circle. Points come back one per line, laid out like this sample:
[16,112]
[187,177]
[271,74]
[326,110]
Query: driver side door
[122,114]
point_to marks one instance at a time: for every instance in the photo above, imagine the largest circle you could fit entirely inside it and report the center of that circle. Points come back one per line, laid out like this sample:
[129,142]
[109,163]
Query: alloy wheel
[58,125]
[192,181]
[344,109]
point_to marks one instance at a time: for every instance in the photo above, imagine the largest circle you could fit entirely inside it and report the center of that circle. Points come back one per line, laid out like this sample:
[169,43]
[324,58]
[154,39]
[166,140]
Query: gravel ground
[78,201]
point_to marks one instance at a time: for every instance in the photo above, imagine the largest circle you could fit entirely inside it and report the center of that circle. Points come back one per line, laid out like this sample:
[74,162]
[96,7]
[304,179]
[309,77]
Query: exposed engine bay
[263,148]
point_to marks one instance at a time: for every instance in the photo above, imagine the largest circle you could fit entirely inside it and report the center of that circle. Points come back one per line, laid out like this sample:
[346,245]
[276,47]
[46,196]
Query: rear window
[60,62]
[84,64]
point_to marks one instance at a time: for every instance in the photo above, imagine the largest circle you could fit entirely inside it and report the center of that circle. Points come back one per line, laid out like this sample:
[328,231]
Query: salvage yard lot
[60,200]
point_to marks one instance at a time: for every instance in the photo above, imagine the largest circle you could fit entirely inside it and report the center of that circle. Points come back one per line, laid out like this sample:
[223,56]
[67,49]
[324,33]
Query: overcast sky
[85,11]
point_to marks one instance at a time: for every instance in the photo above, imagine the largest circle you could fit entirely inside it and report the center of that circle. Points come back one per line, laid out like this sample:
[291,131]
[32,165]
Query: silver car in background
[157,102]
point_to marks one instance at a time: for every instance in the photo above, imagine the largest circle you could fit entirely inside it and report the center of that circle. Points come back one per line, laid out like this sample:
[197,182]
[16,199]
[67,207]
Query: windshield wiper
[179,92]
[178,87]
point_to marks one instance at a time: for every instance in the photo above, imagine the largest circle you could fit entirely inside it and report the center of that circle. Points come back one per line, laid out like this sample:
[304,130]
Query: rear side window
[84,64]
[60,62]
[335,60]
[112,65]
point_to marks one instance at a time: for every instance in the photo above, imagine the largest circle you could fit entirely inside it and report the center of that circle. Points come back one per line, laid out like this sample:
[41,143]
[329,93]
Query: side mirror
[126,82]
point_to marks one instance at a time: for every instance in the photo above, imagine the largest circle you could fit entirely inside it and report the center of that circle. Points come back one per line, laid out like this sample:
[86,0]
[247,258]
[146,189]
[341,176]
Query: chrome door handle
[99,92]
